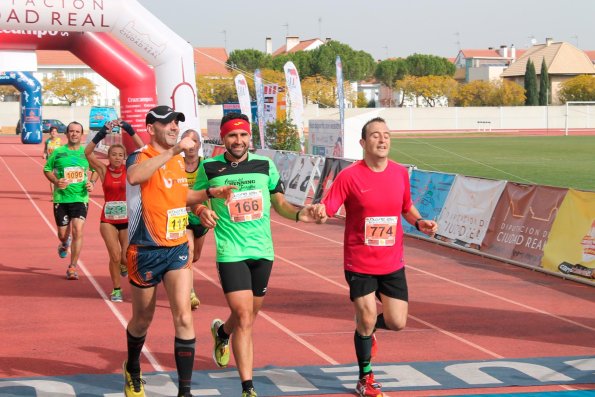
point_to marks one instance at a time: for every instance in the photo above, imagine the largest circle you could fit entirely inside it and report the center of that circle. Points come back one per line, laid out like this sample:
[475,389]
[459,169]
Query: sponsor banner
[521,222]
[295,98]
[243,95]
[340,95]
[284,163]
[571,246]
[270,102]
[429,191]
[466,214]
[212,150]
[303,179]
[258,87]
[331,169]
[325,138]
[270,153]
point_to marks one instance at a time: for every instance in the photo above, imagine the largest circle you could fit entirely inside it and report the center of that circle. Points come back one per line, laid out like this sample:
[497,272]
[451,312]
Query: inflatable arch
[30,103]
[170,56]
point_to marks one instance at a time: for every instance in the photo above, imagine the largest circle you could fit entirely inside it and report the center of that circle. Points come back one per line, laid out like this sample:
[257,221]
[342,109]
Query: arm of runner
[208,218]
[141,172]
[94,162]
[426,226]
[287,210]
[199,196]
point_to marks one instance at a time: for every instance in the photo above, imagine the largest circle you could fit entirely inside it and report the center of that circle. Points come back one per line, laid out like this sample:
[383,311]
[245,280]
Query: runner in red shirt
[114,217]
[375,192]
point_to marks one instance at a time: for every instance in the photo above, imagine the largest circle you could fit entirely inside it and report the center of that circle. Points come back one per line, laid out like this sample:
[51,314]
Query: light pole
[224,39]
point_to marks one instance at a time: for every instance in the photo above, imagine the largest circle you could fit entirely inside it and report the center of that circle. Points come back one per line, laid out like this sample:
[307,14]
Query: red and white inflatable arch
[94,30]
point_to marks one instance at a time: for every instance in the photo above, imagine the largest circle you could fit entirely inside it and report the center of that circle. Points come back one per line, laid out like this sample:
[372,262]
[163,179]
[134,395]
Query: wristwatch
[417,222]
[209,194]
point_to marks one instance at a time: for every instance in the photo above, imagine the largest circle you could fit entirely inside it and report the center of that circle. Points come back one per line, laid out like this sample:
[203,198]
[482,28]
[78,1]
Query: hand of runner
[89,185]
[208,218]
[184,145]
[223,192]
[313,213]
[428,227]
[62,183]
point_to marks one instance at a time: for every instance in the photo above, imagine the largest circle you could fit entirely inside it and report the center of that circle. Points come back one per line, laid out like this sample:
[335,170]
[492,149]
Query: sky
[383,28]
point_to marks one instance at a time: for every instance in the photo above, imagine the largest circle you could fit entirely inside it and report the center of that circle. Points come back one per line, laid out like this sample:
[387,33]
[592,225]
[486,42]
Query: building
[293,44]
[480,64]
[563,60]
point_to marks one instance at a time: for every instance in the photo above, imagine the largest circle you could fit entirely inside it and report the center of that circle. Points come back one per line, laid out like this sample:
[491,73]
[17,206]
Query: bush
[283,135]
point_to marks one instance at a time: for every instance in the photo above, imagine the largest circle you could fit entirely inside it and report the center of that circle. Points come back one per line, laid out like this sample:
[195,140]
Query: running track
[465,311]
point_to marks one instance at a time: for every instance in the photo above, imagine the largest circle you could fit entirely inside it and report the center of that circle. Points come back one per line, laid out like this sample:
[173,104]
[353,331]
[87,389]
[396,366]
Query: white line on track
[81,265]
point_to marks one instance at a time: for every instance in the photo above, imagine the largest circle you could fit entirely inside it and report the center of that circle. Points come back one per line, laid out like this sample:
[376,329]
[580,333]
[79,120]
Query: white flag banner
[305,169]
[296,102]
[243,95]
[468,209]
[340,94]
[259,88]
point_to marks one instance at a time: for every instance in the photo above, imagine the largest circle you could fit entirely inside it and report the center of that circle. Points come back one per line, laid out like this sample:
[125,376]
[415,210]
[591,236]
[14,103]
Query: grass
[564,161]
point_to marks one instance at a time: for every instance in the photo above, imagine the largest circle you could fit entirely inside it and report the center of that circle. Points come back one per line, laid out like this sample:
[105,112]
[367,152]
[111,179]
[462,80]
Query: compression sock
[380,322]
[184,353]
[247,385]
[363,352]
[135,345]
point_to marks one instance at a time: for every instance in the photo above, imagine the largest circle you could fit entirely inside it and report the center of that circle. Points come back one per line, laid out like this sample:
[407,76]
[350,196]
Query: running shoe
[249,393]
[368,387]
[63,248]
[187,394]
[116,295]
[123,270]
[220,346]
[71,273]
[133,384]
[194,301]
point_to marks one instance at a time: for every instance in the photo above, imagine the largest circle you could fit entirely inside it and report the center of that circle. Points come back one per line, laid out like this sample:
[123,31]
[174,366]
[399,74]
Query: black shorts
[198,230]
[393,285]
[251,274]
[64,212]
[118,226]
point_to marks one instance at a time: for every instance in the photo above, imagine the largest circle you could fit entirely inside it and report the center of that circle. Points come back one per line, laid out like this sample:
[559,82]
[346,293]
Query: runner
[375,192]
[157,195]
[114,218]
[67,170]
[243,238]
[196,232]
[50,145]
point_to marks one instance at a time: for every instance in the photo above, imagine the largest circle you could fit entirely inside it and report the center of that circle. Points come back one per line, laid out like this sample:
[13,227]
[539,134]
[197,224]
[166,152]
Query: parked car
[46,124]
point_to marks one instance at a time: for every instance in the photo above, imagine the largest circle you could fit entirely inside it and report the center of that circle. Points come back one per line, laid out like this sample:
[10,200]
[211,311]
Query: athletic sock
[247,385]
[135,345]
[380,322]
[184,353]
[221,333]
[363,352]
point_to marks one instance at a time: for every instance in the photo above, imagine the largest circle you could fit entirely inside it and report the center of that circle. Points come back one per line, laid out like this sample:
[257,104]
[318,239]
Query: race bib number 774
[381,230]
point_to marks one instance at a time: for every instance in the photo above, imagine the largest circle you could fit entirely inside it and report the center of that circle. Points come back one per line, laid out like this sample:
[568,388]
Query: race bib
[245,206]
[115,210]
[380,231]
[74,174]
[177,220]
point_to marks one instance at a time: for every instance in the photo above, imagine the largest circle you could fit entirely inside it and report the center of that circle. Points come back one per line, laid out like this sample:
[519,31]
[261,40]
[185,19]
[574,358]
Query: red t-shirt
[114,190]
[374,202]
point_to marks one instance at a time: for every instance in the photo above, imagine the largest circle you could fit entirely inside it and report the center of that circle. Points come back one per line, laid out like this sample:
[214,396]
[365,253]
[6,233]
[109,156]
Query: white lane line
[277,324]
[82,267]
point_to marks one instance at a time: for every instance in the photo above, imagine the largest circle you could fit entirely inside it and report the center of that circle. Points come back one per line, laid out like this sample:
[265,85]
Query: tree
[429,65]
[490,93]
[213,90]
[579,88]
[248,60]
[282,135]
[429,88]
[531,85]
[544,84]
[357,65]
[390,70]
[361,101]
[8,90]
[80,89]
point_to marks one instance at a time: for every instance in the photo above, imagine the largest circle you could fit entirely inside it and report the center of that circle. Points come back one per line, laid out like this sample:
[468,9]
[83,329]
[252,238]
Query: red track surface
[463,307]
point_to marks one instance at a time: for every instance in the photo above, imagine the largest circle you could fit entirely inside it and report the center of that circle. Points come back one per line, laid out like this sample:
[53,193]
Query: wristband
[297,216]
[199,210]
[100,135]
[127,127]
[209,194]
[417,223]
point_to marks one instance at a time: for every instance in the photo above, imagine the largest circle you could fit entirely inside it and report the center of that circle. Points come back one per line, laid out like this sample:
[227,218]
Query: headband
[235,124]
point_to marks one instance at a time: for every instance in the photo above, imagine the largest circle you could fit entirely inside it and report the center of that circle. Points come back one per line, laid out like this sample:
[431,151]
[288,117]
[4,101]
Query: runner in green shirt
[67,169]
[243,237]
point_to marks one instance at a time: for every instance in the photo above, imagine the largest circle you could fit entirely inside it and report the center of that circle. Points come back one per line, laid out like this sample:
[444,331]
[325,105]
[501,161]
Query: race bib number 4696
[245,206]
[381,230]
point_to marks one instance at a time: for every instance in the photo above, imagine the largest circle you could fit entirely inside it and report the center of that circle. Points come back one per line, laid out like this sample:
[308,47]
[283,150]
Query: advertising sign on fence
[521,222]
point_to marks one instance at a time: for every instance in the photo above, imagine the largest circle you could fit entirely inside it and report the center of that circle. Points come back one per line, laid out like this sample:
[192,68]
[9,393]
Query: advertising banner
[304,175]
[521,222]
[325,138]
[468,209]
[243,95]
[429,191]
[571,246]
[259,88]
[330,170]
[340,94]
[296,100]
[284,162]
